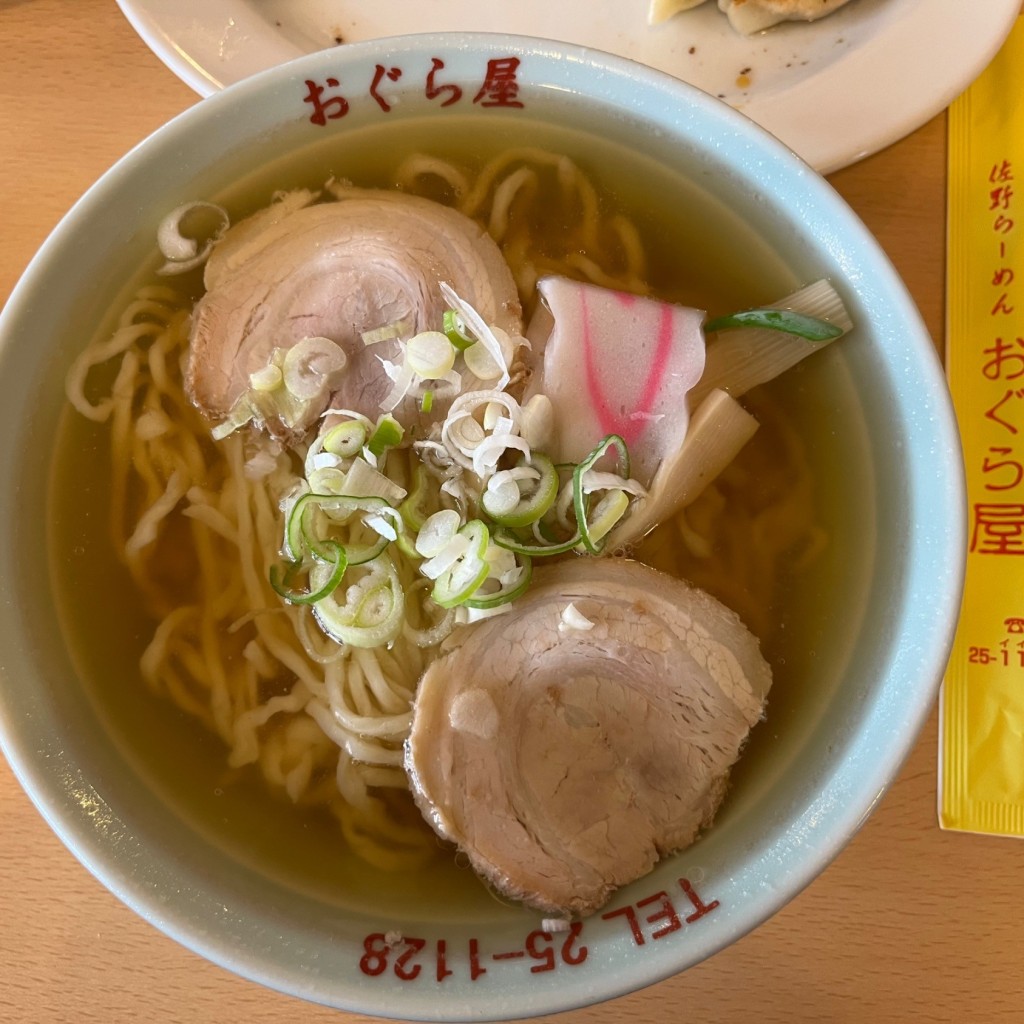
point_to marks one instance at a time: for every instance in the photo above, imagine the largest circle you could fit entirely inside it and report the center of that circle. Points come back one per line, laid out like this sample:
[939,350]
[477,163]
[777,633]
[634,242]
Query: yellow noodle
[369,751]
[362,719]
[522,181]
[422,166]
[245,728]
[212,518]
[323,723]
[591,270]
[474,201]
[384,777]
[259,657]
[97,355]
[631,245]
[146,529]
[384,690]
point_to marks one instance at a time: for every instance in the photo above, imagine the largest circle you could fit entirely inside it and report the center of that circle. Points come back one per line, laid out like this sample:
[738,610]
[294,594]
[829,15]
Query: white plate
[834,91]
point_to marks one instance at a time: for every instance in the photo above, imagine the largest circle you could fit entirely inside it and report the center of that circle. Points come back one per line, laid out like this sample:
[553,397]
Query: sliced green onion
[365,481]
[387,332]
[430,354]
[388,433]
[506,593]
[606,515]
[282,584]
[362,553]
[489,362]
[437,532]
[502,493]
[612,441]
[550,533]
[345,440]
[535,496]
[786,320]
[406,544]
[387,522]
[412,509]
[489,339]
[301,535]
[455,330]
[427,401]
[312,368]
[373,612]
[505,538]
[450,552]
[588,540]
[469,570]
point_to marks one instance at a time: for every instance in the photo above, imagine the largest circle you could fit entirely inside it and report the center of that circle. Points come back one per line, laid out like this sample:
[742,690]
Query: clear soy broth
[699,253]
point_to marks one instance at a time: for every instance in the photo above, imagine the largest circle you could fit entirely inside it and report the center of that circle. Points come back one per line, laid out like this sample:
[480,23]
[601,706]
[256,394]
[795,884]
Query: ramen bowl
[141,792]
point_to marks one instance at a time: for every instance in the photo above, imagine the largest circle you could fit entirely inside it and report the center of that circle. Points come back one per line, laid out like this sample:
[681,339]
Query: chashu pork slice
[568,744]
[333,270]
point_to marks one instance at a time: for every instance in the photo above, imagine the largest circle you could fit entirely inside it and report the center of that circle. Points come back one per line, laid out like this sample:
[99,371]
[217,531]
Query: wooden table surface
[909,923]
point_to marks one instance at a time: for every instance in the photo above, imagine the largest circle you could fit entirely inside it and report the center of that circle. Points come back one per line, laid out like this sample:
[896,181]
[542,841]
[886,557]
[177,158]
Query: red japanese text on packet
[981,768]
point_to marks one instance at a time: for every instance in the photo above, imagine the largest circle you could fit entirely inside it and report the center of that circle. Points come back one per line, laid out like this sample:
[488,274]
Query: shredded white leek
[454,548]
[402,376]
[181,251]
[503,489]
[573,619]
[462,434]
[490,450]
[598,480]
[437,532]
[480,330]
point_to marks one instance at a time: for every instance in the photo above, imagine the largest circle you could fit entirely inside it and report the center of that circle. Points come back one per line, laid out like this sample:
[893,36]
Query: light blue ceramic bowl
[271,907]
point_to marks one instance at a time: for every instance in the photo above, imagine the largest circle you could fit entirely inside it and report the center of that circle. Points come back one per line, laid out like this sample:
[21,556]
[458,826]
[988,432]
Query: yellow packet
[981,756]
